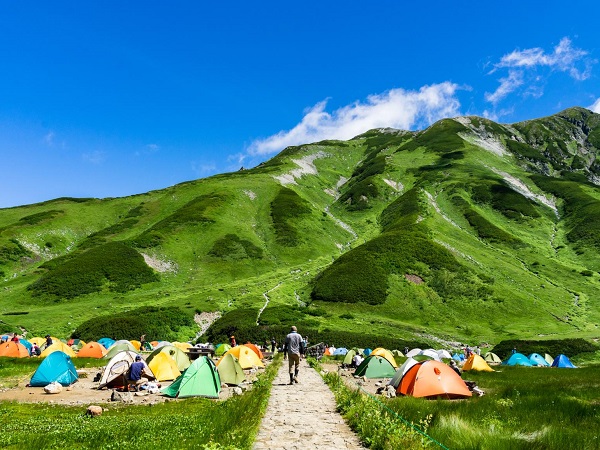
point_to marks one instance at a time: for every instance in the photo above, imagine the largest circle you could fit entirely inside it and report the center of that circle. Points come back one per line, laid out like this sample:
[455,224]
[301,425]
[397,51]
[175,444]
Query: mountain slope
[466,230]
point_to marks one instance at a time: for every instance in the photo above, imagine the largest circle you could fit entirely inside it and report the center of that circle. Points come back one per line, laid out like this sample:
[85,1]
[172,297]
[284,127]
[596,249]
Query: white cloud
[596,106]
[49,138]
[507,85]
[397,108]
[522,68]
[563,58]
[95,157]
[202,169]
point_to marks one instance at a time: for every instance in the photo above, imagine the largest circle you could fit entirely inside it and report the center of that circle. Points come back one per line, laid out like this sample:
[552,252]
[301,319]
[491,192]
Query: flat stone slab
[303,415]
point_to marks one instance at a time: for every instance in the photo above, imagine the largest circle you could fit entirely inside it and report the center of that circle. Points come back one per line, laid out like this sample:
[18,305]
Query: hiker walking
[142,342]
[273,344]
[292,350]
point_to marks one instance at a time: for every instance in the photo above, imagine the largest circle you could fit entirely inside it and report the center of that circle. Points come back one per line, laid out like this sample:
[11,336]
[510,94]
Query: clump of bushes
[156,323]
[195,212]
[286,208]
[115,264]
[34,219]
[231,246]
[12,252]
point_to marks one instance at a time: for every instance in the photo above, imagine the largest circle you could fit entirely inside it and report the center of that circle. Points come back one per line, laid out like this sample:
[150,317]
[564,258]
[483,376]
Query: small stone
[53,388]
[94,411]
[237,391]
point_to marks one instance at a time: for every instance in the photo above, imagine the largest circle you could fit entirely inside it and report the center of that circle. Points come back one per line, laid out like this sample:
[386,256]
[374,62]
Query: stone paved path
[303,416]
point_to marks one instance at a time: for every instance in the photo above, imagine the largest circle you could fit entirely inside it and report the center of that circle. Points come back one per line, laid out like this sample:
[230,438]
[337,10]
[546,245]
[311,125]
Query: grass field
[523,408]
[182,424]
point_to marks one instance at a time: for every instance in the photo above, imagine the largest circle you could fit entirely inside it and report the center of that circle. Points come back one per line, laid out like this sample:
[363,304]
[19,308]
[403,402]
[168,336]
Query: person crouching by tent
[454,367]
[136,376]
[35,350]
[357,360]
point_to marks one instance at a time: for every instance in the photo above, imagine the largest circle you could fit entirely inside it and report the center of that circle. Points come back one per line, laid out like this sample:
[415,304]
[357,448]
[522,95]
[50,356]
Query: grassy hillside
[466,231]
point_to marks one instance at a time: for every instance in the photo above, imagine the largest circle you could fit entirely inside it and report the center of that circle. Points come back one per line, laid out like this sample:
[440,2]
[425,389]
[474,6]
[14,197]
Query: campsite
[518,404]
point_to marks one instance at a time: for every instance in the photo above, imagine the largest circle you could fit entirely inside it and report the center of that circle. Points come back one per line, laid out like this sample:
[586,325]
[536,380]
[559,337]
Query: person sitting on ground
[49,341]
[454,367]
[136,377]
[35,350]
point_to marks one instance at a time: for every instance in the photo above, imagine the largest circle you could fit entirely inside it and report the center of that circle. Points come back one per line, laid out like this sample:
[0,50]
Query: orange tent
[327,352]
[13,350]
[255,349]
[433,379]
[92,350]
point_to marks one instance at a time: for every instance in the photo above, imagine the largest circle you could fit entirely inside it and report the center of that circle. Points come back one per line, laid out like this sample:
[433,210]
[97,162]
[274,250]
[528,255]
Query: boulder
[53,388]
[94,410]
[237,391]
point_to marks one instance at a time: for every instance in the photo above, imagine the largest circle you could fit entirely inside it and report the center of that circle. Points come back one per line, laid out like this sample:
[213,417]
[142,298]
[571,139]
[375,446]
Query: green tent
[492,358]
[349,356]
[230,370]
[375,366]
[118,348]
[222,349]
[176,354]
[201,379]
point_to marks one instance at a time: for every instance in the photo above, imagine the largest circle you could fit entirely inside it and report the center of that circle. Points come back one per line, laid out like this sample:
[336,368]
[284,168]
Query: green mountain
[468,230]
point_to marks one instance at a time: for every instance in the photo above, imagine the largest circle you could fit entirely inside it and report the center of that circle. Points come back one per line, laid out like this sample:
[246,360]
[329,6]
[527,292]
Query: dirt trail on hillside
[303,415]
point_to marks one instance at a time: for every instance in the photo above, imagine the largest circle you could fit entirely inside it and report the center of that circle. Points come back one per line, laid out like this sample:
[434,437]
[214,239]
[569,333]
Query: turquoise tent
[563,361]
[538,360]
[201,379]
[57,366]
[518,359]
[340,351]
[367,351]
[28,345]
[106,342]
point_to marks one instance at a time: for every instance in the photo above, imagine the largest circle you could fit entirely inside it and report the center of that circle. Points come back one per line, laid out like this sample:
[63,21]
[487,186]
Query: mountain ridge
[496,221]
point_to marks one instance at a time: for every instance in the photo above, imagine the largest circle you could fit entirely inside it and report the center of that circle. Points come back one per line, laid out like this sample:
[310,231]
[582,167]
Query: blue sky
[108,99]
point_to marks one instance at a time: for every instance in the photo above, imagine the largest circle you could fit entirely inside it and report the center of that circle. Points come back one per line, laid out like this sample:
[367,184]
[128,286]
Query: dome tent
[58,367]
[201,379]
[375,366]
[431,379]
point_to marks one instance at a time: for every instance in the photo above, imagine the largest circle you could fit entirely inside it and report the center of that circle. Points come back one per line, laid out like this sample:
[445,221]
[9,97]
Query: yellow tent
[380,351]
[164,367]
[39,341]
[136,344]
[58,346]
[245,356]
[182,345]
[476,362]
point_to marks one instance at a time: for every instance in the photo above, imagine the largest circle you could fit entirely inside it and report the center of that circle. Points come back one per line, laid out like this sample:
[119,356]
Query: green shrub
[113,264]
[287,208]
[197,211]
[13,252]
[232,247]
[34,219]
[156,323]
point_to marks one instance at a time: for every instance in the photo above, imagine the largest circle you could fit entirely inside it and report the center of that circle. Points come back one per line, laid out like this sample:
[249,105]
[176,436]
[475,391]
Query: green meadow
[181,424]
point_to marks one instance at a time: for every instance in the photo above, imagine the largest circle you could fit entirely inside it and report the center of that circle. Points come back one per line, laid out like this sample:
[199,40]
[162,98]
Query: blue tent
[367,351]
[563,361]
[538,360]
[340,351]
[518,359]
[57,366]
[106,342]
[458,357]
[28,345]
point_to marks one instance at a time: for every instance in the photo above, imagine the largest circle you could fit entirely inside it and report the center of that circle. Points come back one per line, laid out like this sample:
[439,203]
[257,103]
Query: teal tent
[538,360]
[201,379]
[518,359]
[563,361]
[375,366]
[57,366]
[349,357]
